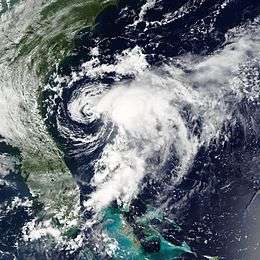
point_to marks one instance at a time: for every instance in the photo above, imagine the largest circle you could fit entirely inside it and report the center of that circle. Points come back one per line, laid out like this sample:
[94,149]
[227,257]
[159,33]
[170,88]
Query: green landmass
[47,41]
[50,37]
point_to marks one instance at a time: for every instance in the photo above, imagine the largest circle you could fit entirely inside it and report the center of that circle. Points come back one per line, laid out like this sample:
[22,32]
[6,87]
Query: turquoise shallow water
[43,40]
[127,245]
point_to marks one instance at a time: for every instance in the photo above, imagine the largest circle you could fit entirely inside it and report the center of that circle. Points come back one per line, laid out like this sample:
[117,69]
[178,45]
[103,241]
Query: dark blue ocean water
[216,203]
[211,204]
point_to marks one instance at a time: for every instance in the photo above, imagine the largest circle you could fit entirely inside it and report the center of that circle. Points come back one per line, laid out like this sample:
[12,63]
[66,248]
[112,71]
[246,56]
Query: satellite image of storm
[130,129]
